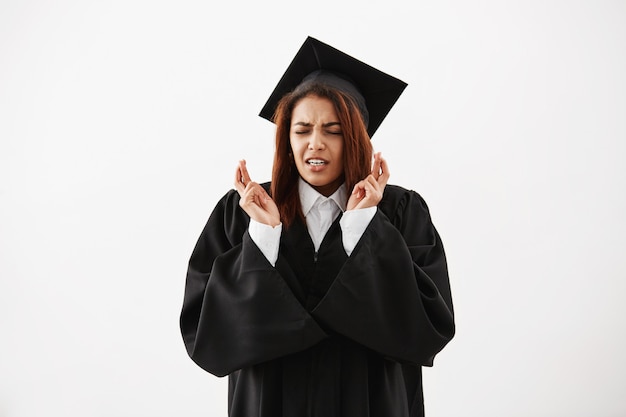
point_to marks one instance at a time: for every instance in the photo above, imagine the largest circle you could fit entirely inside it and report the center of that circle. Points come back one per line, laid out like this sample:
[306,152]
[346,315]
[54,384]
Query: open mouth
[316,162]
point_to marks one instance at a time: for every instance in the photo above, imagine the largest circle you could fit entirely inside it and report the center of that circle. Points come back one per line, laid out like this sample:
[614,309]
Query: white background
[120,126]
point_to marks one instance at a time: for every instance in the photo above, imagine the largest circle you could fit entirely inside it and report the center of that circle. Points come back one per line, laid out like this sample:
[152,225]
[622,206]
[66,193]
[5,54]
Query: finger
[373,190]
[371,184]
[253,188]
[239,186]
[384,176]
[364,195]
[376,165]
[244,172]
[257,199]
[251,194]
[260,192]
[358,187]
[357,191]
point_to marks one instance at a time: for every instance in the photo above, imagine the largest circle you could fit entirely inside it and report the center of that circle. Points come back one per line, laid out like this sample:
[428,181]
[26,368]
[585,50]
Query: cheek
[339,154]
[340,167]
[293,146]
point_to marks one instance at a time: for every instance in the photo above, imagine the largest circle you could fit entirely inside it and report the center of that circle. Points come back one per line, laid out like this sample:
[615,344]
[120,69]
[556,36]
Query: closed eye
[332,128]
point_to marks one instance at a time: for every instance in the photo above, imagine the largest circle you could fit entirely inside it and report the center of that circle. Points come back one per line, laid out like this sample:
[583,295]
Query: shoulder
[228,218]
[395,192]
[396,196]
[228,206]
[399,202]
[228,203]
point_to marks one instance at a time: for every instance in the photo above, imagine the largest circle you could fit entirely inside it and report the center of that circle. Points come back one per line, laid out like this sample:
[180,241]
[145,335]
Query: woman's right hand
[255,201]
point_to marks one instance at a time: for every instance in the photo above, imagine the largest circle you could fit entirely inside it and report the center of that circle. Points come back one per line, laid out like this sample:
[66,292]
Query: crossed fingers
[380,170]
[242,177]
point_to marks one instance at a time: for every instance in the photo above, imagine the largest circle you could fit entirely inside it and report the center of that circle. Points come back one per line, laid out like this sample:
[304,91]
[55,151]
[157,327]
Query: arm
[237,309]
[392,294]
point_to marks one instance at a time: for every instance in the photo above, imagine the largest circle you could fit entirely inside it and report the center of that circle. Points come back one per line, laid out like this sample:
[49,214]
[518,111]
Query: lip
[316,168]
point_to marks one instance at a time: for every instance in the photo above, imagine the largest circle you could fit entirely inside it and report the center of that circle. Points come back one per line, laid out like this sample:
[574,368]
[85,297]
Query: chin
[318,182]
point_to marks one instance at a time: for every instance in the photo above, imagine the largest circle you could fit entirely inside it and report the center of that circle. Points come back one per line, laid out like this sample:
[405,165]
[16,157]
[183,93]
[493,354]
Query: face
[317,143]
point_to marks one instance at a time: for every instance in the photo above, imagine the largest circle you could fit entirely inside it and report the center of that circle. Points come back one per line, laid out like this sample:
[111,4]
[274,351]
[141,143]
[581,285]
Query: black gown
[320,334]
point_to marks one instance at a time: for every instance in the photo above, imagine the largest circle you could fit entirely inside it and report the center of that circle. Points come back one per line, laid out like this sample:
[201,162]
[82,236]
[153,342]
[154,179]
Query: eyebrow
[307,124]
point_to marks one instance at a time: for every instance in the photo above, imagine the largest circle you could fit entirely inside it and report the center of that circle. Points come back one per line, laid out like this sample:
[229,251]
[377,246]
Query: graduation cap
[374,91]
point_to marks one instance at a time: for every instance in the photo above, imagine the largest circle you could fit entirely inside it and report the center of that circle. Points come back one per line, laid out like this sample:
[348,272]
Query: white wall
[120,126]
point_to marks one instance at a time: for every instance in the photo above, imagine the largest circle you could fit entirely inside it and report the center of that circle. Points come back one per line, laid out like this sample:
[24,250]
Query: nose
[316,141]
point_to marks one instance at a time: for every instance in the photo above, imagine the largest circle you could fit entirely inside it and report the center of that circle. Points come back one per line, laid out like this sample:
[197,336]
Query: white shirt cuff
[267,238]
[353,224]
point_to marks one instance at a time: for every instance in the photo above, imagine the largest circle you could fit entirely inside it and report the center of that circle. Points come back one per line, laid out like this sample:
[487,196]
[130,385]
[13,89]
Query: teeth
[316,162]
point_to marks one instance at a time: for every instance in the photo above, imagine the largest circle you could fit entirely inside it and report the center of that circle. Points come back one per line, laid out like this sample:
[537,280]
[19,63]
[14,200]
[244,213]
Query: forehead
[314,107]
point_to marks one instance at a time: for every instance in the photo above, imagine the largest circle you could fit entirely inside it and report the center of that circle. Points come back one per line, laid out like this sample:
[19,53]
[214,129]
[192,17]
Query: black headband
[340,82]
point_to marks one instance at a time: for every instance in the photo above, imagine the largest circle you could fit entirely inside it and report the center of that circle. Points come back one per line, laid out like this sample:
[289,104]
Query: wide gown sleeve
[237,310]
[393,293]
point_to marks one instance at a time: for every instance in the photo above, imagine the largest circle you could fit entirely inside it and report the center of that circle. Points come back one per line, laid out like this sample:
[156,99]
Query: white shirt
[320,212]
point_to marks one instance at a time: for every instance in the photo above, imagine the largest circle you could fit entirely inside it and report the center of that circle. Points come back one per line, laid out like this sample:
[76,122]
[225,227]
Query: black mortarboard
[319,62]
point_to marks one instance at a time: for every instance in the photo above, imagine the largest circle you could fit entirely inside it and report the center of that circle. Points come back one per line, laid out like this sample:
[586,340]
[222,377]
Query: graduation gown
[320,334]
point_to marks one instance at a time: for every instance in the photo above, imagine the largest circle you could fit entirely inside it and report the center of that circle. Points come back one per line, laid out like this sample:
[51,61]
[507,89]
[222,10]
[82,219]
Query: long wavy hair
[357,148]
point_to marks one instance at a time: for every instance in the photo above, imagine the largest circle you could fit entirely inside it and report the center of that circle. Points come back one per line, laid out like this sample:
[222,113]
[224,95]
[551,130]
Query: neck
[328,189]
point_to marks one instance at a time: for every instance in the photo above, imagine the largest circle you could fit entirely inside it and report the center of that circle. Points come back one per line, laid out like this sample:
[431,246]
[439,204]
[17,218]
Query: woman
[324,292]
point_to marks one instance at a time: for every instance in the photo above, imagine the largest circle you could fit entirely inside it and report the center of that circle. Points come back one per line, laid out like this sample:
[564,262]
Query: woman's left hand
[369,192]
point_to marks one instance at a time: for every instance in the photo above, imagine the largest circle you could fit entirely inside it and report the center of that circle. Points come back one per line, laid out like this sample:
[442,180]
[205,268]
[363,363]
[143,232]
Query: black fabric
[320,335]
[340,82]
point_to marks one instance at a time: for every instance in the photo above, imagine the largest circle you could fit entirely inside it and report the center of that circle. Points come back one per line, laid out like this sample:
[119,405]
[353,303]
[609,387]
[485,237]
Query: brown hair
[357,155]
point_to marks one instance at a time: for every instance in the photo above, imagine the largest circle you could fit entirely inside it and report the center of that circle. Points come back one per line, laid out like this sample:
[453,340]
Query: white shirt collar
[309,196]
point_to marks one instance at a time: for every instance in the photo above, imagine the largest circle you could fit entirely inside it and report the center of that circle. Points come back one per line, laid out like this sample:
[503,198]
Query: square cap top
[380,90]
